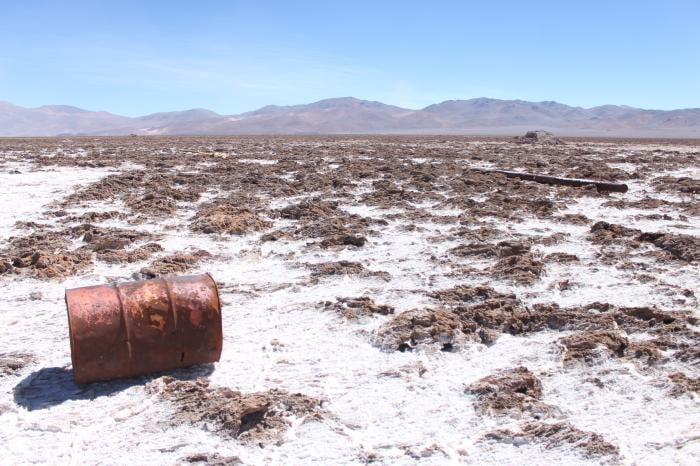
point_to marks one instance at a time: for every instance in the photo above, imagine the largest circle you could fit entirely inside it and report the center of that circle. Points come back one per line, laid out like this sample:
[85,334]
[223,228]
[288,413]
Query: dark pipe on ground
[134,328]
[545,179]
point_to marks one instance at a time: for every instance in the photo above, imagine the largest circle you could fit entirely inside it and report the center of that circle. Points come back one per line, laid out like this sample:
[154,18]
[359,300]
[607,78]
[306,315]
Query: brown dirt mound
[410,329]
[605,233]
[128,256]
[561,257]
[679,246]
[388,194]
[574,219]
[684,384]
[91,217]
[46,265]
[152,204]
[516,261]
[150,194]
[48,253]
[587,345]
[510,390]
[523,269]
[212,459]
[175,263]
[13,363]
[312,208]
[682,184]
[100,240]
[494,316]
[323,220]
[469,294]
[475,249]
[352,308]
[259,417]
[684,247]
[342,230]
[501,249]
[44,254]
[343,239]
[344,268]
[228,219]
[557,435]
[673,330]
[479,322]
[108,188]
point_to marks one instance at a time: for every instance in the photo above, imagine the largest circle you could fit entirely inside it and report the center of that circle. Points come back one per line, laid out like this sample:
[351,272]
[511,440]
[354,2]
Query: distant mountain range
[348,115]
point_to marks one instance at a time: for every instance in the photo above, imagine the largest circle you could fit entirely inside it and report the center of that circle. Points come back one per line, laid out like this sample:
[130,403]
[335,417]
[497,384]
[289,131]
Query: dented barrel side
[145,326]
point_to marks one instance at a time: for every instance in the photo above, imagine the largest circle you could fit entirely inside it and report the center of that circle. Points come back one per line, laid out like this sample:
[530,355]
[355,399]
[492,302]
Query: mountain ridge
[349,115]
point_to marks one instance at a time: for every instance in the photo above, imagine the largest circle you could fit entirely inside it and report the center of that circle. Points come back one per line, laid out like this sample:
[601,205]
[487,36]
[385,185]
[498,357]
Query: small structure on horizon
[538,137]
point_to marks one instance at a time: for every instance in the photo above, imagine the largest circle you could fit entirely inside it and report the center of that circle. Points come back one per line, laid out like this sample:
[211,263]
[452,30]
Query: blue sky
[135,58]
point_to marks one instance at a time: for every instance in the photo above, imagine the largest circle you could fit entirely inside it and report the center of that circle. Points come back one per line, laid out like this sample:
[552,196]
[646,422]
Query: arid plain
[385,299]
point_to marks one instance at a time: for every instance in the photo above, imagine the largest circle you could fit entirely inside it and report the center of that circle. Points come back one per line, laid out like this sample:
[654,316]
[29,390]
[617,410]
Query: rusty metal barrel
[133,328]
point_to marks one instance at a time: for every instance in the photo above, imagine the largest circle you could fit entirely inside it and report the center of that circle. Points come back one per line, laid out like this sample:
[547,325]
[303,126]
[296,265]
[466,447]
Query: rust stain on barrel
[134,328]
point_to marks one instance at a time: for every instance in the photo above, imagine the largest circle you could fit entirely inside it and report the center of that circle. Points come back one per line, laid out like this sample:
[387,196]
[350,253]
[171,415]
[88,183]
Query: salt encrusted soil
[383,300]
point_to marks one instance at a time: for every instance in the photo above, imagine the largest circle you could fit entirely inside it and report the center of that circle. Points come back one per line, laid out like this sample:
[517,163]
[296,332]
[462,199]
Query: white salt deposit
[394,420]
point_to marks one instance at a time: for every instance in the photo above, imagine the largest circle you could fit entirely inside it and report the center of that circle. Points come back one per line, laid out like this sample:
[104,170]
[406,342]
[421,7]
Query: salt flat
[595,294]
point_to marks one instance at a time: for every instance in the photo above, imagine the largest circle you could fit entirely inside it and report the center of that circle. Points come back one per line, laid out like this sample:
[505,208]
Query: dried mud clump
[511,390]
[49,253]
[47,265]
[256,417]
[212,459]
[606,233]
[410,329]
[587,346]
[574,219]
[108,188]
[485,313]
[324,222]
[228,219]
[501,249]
[684,247]
[128,256]
[561,258]
[668,332]
[684,384]
[478,249]
[515,263]
[175,263]
[344,268]
[557,435]
[682,184]
[679,246]
[523,269]
[388,194]
[469,294]
[44,254]
[312,208]
[151,204]
[13,363]
[101,240]
[342,239]
[91,217]
[352,308]
[497,315]
[150,195]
